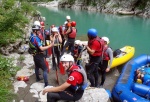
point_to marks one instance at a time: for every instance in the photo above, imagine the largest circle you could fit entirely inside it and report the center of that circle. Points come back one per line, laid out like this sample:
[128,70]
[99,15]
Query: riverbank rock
[32,90]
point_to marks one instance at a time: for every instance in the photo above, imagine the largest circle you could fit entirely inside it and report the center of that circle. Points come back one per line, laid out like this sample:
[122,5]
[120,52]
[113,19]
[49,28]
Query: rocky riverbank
[31,91]
[123,7]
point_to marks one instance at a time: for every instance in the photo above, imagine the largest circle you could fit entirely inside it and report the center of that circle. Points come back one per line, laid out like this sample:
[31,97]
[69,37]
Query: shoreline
[107,8]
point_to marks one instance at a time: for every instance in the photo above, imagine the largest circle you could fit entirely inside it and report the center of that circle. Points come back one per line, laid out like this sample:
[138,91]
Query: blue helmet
[92,32]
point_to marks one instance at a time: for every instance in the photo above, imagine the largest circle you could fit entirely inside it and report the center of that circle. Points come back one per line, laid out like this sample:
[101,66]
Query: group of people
[68,51]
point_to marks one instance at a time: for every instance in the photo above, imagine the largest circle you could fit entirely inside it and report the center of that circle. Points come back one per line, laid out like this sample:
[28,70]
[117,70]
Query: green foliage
[39,0]
[13,18]
[7,71]
[21,58]
[71,1]
[142,4]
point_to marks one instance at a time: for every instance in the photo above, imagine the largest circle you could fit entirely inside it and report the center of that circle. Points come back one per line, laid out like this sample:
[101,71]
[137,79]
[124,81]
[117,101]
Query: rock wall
[134,7]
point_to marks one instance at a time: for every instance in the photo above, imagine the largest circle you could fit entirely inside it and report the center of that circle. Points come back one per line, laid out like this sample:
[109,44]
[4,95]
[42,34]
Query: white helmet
[54,29]
[68,17]
[106,39]
[37,23]
[77,42]
[67,57]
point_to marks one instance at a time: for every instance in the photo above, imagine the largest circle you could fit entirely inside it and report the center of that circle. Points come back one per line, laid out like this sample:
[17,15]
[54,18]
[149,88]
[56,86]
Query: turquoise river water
[121,30]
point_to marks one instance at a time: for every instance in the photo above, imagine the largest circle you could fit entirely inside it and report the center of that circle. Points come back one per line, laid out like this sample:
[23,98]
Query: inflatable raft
[126,88]
[127,52]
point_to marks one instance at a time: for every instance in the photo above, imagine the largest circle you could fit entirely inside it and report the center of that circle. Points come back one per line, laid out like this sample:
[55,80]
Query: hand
[108,69]
[75,55]
[52,44]
[56,34]
[44,91]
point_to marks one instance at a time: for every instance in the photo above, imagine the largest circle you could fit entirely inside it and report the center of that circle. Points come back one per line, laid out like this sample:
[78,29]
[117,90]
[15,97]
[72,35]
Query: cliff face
[134,7]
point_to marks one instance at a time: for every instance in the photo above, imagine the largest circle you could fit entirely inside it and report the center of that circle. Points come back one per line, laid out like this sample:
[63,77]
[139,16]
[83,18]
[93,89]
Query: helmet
[54,29]
[35,27]
[77,42]
[68,17]
[67,57]
[73,23]
[92,32]
[42,24]
[106,39]
[37,23]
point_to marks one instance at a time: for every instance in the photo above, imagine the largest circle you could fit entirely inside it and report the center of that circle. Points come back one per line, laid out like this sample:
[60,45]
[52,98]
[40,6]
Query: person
[77,52]
[94,51]
[73,88]
[105,64]
[70,37]
[68,19]
[56,48]
[37,52]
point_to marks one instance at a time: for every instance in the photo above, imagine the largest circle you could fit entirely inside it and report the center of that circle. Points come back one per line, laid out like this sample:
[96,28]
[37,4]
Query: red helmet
[42,24]
[73,23]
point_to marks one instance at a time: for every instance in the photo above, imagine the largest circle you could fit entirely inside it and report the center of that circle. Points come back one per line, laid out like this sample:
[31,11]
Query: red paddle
[62,69]
[48,67]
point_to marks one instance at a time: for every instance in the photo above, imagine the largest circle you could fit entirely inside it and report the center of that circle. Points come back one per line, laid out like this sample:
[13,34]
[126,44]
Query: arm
[59,37]
[46,47]
[110,53]
[57,89]
[68,30]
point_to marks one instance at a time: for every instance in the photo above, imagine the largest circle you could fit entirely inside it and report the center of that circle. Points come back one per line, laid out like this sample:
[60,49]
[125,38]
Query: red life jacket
[101,42]
[75,51]
[105,55]
[80,69]
[73,33]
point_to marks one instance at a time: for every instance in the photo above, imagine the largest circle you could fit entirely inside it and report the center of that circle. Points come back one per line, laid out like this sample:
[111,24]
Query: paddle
[56,61]
[62,69]
[47,65]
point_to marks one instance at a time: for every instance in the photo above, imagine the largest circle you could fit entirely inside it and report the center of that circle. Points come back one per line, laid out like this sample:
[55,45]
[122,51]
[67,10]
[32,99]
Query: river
[121,30]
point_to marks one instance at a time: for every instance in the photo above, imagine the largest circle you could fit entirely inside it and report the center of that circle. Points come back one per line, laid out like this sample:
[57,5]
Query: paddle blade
[47,65]
[49,51]
[62,69]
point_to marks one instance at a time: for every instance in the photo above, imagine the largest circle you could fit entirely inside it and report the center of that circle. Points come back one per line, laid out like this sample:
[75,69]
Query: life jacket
[101,42]
[104,54]
[75,51]
[81,70]
[73,33]
[32,48]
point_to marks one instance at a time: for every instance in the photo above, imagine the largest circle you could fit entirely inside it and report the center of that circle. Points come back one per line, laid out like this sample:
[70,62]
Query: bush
[7,72]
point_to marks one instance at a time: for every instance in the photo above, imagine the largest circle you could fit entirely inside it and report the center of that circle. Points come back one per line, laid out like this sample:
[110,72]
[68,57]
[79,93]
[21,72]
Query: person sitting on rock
[73,88]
